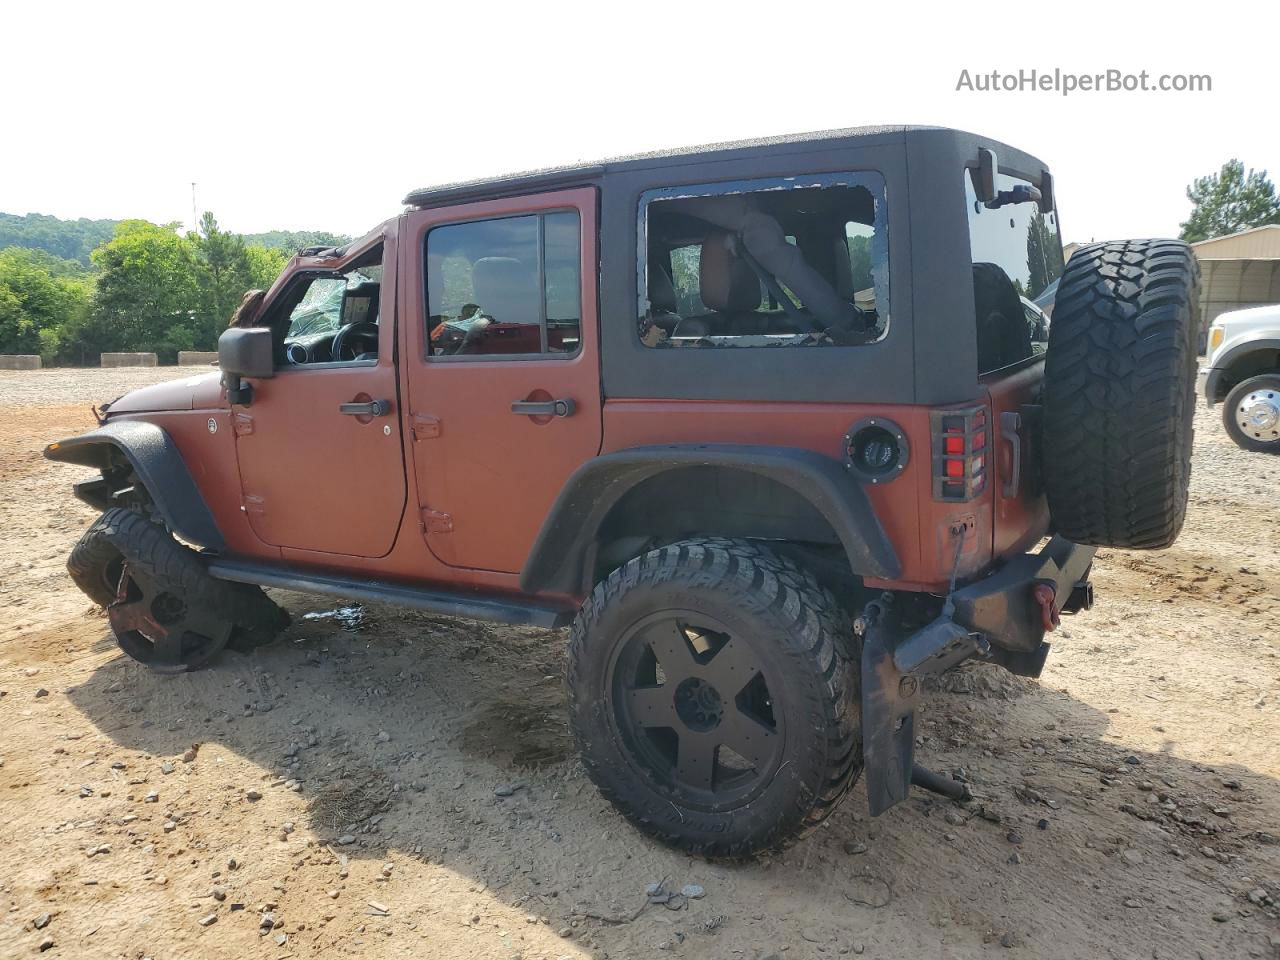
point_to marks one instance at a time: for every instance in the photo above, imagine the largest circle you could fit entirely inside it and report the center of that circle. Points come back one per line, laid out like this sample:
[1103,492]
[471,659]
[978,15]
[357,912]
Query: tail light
[959,453]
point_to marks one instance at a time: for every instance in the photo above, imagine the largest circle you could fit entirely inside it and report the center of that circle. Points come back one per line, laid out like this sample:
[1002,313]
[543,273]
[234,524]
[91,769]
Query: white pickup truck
[1243,374]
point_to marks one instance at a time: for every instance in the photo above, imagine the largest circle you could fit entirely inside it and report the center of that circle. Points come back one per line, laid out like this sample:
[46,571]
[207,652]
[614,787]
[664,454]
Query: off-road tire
[1120,393]
[796,629]
[96,560]
[94,565]
[1230,407]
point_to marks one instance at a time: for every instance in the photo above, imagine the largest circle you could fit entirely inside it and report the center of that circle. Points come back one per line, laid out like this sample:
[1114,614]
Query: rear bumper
[1002,618]
[1004,607]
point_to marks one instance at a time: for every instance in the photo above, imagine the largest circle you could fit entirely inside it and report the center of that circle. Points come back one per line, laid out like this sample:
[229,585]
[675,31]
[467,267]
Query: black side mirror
[245,352]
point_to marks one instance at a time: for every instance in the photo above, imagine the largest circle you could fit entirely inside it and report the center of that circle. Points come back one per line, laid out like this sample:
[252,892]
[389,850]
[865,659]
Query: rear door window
[508,286]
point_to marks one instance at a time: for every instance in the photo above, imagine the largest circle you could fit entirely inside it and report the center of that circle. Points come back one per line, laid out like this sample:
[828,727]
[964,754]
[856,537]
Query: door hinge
[425,426]
[243,424]
[436,521]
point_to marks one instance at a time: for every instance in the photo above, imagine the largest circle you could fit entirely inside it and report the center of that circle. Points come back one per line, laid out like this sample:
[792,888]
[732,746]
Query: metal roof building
[1239,270]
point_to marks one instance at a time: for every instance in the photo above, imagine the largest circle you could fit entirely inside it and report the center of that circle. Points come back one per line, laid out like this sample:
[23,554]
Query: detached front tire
[165,609]
[1119,393]
[713,696]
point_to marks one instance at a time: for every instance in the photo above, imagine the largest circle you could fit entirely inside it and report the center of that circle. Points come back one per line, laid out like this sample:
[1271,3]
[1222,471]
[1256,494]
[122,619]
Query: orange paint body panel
[917,525]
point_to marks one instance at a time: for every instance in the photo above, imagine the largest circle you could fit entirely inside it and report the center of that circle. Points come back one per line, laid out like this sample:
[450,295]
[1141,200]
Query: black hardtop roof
[557,176]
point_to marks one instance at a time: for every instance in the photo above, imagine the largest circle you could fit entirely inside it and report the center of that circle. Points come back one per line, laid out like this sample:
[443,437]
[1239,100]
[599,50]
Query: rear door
[501,366]
[1016,255]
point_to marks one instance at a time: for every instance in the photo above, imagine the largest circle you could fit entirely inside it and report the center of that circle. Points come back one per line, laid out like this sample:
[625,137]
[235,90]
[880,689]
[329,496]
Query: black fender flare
[156,460]
[556,562]
[1251,344]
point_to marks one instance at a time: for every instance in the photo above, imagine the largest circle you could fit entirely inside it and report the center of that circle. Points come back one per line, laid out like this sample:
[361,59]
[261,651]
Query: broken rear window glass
[785,262]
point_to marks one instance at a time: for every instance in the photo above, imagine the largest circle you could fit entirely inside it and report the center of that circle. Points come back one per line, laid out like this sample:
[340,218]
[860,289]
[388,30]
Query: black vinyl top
[557,176]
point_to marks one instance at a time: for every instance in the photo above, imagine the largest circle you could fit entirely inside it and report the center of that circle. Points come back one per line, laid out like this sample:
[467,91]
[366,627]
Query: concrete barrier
[128,359]
[19,361]
[197,358]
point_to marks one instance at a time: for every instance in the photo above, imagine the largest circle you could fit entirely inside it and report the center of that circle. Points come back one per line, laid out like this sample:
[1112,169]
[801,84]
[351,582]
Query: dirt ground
[385,783]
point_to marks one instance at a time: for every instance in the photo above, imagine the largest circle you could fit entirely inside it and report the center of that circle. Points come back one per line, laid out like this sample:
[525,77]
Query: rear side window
[509,286]
[788,262]
[1017,260]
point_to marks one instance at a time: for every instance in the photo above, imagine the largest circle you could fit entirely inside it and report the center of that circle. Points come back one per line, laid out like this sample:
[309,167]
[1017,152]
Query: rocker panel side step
[472,605]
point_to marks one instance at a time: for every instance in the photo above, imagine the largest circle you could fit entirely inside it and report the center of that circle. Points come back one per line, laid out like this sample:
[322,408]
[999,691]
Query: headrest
[506,289]
[728,283]
[360,302]
[662,292]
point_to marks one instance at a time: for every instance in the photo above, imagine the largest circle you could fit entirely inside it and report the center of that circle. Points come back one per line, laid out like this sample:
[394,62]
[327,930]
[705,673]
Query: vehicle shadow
[440,746]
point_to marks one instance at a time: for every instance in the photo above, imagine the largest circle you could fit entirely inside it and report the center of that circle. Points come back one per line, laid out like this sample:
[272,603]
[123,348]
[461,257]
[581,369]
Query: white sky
[322,116]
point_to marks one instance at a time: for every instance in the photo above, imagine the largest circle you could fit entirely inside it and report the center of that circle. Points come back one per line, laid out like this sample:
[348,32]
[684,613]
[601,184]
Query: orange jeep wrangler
[771,426]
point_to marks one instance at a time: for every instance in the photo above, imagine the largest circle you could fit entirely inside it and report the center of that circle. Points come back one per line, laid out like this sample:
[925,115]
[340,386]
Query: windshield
[320,309]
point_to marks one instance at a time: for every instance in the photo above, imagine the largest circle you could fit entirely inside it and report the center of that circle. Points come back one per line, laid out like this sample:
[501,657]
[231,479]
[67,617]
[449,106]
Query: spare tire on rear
[1119,393]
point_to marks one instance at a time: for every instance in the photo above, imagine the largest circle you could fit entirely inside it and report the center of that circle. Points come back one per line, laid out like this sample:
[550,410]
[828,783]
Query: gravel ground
[58,387]
[385,783]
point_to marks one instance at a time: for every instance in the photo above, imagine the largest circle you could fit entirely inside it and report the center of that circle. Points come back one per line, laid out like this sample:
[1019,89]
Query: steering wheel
[360,330]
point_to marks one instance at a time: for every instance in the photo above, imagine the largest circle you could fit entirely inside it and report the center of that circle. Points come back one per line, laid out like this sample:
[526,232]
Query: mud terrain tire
[1120,393]
[777,628]
[96,561]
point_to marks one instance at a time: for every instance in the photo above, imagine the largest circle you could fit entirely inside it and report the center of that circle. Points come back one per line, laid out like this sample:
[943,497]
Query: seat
[729,287]
[663,304]
[1003,337]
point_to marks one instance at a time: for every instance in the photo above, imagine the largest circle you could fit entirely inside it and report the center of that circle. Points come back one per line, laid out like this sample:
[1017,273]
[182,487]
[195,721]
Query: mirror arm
[239,393]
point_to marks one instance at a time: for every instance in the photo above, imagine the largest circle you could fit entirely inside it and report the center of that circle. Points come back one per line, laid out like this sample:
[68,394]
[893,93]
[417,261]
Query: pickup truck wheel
[164,608]
[1119,393]
[1251,414]
[713,697]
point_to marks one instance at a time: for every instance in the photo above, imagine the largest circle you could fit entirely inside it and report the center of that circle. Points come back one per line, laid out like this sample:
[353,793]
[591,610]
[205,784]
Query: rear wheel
[1251,414]
[713,697]
[1120,393]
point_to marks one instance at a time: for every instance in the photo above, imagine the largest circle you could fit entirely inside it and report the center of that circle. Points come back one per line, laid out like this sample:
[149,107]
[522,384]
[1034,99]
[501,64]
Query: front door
[502,368]
[319,446]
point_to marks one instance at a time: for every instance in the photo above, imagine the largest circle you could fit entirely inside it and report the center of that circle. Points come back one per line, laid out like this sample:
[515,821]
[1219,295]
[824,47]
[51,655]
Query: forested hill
[76,239]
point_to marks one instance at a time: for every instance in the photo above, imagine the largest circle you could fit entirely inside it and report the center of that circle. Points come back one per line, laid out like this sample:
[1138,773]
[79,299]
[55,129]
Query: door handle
[1011,433]
[549,408]
[374,408]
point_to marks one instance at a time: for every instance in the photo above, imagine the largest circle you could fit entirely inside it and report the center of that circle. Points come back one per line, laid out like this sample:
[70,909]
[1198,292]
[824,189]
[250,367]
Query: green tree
[224,273]
[1229,201]
[290,242]
[40,302]
[1044,256]
[265,264]
[148,292]
[65,239]
[38,306]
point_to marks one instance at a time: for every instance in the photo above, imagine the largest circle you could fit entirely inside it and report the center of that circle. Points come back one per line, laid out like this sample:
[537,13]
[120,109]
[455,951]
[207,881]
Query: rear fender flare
[558,560]
[157,463]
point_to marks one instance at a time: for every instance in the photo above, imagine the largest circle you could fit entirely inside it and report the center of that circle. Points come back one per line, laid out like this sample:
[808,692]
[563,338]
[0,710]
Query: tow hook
[1045,594]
